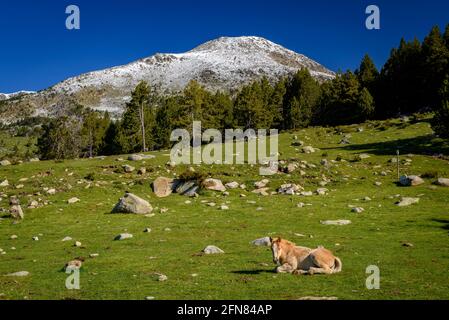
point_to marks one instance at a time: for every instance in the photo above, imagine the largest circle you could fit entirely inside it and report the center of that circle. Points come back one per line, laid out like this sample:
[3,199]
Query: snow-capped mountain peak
[223,64]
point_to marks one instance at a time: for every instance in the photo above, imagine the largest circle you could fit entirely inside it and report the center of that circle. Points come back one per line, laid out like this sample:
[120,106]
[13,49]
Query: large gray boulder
[232,185]
[407,201]
[135,157]
[131,203]
[187,188]
[128,169]
[5,163]
[262,242]
[214,185]
[163,187]
[443,182]
[410,181]
[17,212]
[15,208]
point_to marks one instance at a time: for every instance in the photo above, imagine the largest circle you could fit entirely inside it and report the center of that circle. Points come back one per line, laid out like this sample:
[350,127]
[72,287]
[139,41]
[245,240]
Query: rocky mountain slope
[223,64]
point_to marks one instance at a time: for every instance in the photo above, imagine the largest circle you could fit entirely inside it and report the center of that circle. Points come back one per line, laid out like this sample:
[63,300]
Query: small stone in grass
[123,236]
[212,250]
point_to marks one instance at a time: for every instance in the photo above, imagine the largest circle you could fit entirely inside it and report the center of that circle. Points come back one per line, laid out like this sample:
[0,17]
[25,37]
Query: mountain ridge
[225,64]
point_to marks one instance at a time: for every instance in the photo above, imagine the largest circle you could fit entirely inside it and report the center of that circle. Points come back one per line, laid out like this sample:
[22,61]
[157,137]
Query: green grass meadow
[125,269]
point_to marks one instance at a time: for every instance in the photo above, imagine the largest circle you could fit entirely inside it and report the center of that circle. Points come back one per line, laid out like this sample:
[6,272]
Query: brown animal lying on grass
[301,260]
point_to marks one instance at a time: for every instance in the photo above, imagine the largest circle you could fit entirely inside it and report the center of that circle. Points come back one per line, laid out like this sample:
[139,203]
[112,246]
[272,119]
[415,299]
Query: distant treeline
[415,78]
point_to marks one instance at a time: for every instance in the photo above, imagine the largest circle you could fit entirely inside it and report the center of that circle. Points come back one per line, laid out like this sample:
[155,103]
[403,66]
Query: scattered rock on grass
[214,185]
[5,163]
[19,274]
[261,184]
[261,191]
[262,242]
[123,236]
[212,250]
[407,201]
[308,150]
[336,222]
[131,203]
[135,157]
[232,185]
[161,277]
[73,200]
[443,182]
[128,169]
[410,181]
[163,187]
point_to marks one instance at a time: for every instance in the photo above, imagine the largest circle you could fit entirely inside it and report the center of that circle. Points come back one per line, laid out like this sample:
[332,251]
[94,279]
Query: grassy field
[125,269]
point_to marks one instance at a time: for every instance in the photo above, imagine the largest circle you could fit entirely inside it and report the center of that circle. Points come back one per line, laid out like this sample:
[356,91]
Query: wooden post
[397,163]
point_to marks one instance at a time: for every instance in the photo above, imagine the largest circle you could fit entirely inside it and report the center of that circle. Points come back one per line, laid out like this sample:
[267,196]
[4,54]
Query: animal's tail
[338,265]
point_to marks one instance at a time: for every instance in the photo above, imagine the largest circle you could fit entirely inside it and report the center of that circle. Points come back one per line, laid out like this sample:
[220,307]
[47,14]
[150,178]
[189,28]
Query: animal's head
[276,249]
[279,247]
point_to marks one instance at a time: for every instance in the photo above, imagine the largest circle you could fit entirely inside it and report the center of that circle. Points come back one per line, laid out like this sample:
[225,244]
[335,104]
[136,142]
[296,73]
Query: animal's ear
[271,240]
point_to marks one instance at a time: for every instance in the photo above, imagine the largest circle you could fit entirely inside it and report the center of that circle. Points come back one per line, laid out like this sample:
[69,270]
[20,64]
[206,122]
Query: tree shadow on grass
[253,272]
[444,222]
[425,145]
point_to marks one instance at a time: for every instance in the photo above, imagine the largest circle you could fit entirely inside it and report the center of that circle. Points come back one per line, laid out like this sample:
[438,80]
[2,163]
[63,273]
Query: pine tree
[440,123]
[446,36]
[166,121]
[367,74]
[276,103]
[365,105]
[343,101]
[400,85]
[112,145]
[251,108]
[301,98]
[195,97]
[60,139]
[138,120]
[93,131]
[436,65]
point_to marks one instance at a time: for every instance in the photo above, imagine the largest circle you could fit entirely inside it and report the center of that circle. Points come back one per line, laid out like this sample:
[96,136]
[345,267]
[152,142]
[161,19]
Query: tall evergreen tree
[343,101]
[436,65]
[301,98]
[138,120]
[93,131]
[60,139]
[440,123]
[367,74]
[167,119]
[251,107]
[276,104]
[399,87]
[446,36]
[365,105]
[195,98]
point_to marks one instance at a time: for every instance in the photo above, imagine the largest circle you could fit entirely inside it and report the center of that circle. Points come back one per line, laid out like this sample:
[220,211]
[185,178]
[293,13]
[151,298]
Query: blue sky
[37,50]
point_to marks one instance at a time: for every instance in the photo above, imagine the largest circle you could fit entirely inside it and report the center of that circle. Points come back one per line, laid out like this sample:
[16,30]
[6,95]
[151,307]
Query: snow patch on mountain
[224,64]
[6,96]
